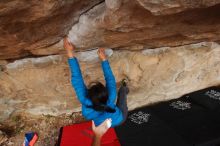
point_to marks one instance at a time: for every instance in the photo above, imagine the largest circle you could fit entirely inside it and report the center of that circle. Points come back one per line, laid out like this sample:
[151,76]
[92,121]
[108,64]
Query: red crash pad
[81,135]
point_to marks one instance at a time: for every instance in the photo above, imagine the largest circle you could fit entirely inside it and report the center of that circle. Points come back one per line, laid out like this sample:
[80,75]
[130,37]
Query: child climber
[98,101]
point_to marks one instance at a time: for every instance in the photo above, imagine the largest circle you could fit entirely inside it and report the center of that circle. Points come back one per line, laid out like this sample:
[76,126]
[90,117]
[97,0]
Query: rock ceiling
[34,28]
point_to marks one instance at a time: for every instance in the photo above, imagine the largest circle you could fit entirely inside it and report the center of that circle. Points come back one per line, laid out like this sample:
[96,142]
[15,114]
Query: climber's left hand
[69,47]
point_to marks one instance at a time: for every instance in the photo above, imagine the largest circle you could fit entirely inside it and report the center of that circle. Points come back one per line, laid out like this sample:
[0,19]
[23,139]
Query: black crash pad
[209,98]
[180,122]
[175,109]
[142,128]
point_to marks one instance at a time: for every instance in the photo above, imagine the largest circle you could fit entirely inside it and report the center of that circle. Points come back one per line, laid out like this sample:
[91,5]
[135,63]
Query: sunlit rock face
[35,28]
[42,85]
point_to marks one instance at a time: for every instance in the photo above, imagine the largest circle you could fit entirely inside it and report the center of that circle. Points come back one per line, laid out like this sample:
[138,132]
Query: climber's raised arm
[69,48]
[76,75]
[109,77]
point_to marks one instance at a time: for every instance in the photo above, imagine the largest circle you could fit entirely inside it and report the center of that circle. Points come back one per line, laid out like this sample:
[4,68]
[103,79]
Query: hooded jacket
[81,92]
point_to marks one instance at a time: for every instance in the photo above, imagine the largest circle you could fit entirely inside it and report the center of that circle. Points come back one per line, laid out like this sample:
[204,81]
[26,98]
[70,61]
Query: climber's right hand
[69,47]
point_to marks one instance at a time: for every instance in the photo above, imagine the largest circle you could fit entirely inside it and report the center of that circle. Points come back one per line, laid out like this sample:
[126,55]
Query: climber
[98,101]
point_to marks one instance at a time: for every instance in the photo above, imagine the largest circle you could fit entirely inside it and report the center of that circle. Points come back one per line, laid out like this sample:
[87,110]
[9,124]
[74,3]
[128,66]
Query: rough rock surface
[42,85]
[161,7]
[133,24]
[3,137]
[29,28]
[27,25]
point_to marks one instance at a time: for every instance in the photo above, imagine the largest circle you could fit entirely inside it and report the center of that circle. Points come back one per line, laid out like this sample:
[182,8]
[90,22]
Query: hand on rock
[69,47]
[101,53]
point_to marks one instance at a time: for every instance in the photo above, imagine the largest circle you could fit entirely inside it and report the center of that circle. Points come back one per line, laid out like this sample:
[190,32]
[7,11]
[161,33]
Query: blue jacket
[81,92]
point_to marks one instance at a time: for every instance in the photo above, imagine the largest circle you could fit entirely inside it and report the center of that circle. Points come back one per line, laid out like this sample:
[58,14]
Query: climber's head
[98,94]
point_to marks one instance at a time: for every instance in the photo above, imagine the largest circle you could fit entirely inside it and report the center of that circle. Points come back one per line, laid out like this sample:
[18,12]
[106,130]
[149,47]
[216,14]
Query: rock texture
[35,28]
[29,25]
[42,85]
[161,7]
[3,137]
[147,23]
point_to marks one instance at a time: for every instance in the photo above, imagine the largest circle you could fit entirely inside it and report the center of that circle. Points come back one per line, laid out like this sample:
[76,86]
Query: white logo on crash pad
[139,117]
[213,94]
[181,105]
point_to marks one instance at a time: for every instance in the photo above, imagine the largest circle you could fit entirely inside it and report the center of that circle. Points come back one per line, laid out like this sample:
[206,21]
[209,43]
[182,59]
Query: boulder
[42,85]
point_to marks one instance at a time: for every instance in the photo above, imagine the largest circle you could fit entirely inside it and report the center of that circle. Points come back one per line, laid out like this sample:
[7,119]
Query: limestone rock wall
[42,85]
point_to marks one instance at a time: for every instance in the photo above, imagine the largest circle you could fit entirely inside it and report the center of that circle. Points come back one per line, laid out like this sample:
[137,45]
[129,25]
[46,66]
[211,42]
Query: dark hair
[98,94]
